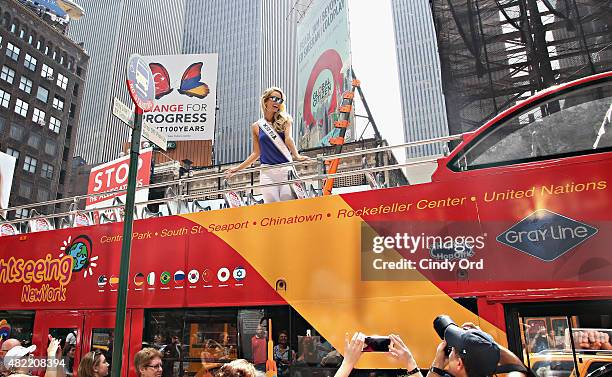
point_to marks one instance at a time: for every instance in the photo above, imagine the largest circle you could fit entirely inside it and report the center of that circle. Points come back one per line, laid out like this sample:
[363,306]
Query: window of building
[7,74]
[4,98]
[62,81]
[16,131]
[22,213]
[21,107]
[58,103]
[22,33]
[38,44]
[25,84]
[46,72]
[13,28]
[42,94]
[55,124]
[38,116]
[30,39]
[12,152]
[46,171]
[12,51]
[42,195]
[29,164]
[25,189]
[30,62]
[50,147]
[34,140]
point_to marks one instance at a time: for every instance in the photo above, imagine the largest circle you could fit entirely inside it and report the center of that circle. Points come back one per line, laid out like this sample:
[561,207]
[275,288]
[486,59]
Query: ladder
[345,112]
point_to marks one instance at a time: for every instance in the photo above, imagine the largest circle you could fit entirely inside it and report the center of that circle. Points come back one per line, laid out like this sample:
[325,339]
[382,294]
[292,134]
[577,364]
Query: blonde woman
[273,145]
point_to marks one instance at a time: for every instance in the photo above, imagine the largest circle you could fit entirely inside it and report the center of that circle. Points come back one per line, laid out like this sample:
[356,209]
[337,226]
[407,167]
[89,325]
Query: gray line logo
[546,235]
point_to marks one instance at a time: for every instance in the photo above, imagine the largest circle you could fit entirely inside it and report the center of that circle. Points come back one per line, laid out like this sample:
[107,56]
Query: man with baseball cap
[473,353]
[13,356]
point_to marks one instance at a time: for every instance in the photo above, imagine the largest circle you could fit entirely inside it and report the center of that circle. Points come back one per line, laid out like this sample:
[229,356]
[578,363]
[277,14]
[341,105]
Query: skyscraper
[423,105]
[111,31]
[255,40]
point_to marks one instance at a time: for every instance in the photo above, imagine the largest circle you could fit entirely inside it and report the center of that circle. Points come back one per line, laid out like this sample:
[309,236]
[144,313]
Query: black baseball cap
[477,349]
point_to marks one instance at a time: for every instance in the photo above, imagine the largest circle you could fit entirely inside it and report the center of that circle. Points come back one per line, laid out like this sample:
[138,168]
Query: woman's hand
[230,172]
[301,157]
[53,347]
[353,349]
[401,352]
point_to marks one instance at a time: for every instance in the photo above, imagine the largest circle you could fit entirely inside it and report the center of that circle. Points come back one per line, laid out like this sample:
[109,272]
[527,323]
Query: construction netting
[494,53]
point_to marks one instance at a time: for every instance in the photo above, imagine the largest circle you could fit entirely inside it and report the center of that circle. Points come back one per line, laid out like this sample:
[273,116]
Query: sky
[375,63]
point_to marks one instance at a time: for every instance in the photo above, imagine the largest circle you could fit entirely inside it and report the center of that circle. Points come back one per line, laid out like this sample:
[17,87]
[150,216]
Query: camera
[377,344]
[440,324]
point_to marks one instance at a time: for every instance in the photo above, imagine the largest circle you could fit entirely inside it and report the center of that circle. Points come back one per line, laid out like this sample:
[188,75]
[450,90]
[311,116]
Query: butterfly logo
[191,84]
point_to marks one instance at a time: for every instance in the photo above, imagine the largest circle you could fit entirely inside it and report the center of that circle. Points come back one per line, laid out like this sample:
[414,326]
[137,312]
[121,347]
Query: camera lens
[441,323]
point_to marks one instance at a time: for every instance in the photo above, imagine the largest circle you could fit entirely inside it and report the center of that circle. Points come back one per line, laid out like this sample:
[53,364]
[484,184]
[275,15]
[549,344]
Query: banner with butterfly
[185,95]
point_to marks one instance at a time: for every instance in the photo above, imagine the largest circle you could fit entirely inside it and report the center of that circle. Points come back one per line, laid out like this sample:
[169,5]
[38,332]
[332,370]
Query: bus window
[571,124]
[558,339]
[102,339]
[17,324]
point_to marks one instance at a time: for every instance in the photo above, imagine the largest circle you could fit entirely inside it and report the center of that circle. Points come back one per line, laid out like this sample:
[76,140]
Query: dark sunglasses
[276,99]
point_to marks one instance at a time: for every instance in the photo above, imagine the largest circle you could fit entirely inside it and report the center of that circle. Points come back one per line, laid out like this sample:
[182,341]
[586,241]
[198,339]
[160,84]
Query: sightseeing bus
[512,233]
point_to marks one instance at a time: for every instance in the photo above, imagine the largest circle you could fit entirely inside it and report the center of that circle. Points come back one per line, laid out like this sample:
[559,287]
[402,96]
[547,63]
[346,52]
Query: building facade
[111,31]
[255,41]
[41,88]
[423,106]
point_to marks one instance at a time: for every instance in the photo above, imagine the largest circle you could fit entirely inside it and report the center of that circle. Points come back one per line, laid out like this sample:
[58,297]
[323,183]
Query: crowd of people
[465,351]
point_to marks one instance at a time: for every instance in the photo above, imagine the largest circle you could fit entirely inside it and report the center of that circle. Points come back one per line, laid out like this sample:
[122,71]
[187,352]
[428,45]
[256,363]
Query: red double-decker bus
[513,233]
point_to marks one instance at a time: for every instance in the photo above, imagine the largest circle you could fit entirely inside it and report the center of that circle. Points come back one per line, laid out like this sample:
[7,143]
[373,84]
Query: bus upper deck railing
[180,200]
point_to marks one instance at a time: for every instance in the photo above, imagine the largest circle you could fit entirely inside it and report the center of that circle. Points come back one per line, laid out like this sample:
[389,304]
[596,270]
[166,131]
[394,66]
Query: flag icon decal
[102,280]
[151,278]
[165,277]
[114,280]
[139,279]
[179,276]
[193,276]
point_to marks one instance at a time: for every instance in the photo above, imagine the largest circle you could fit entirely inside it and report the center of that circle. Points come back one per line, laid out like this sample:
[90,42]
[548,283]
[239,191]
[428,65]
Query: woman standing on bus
[273,144]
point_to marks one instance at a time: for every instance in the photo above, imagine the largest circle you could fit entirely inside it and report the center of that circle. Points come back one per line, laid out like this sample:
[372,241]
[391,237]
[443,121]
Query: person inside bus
[541,341]
[259,347]
[93,364]
[69,352]
[273,145]
[148,363]
[283,354]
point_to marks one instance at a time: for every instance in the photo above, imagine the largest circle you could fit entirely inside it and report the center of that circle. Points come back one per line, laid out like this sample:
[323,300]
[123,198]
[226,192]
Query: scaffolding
[494,53]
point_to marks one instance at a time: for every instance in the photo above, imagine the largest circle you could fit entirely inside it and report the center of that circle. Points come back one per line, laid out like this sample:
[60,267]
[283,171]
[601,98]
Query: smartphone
[377,344]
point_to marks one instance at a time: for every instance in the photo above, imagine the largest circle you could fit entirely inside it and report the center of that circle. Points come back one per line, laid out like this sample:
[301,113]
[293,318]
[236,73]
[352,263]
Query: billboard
[324,71]
[185,95]
[7,168]
[113,175]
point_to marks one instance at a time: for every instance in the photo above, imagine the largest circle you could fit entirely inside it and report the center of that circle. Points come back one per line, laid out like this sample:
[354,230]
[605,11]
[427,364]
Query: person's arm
[439,360]
[252,157]
[352,353]
[291,144]
[54,369]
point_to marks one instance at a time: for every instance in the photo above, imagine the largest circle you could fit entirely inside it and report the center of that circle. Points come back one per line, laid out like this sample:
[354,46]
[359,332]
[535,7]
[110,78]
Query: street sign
[141,83]
[154,135]
[124,113]
[149,131]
